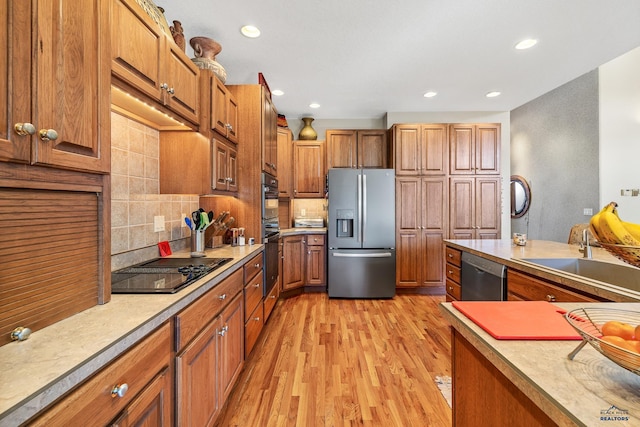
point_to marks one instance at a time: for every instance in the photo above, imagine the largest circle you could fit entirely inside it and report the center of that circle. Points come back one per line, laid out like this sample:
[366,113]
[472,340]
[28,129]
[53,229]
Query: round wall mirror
[520,196]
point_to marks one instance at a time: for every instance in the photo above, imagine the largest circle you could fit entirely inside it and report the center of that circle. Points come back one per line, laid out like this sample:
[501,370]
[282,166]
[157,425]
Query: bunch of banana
[607,227]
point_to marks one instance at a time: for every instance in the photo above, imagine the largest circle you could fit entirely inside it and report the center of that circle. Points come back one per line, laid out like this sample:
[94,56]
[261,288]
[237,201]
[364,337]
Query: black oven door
[271,243]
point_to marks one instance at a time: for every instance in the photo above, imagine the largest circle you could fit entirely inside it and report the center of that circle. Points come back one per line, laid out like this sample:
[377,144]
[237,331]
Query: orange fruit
[618,329]
[614,346]
[635,345]
[637,332]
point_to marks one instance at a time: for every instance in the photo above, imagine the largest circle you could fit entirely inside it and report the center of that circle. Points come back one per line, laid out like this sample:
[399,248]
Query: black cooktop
[162,275]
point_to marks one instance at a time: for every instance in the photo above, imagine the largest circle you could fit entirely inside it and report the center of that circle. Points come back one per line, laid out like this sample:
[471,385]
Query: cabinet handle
[164,86]
[119,390]
[224,330]
[272,296]
[451,288]
[256,265]
[222,297]
[450,255]
[48,134]
[228,126]
[23,129]
[450,271]
[171,91]
[551,298]
[257,319]
[20,333]
[257,285]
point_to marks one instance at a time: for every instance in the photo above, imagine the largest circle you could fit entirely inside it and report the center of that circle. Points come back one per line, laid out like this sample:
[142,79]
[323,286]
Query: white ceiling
[363,58]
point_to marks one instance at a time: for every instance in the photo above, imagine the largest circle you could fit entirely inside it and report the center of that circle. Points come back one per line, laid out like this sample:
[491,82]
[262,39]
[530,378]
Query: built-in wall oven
[270,230]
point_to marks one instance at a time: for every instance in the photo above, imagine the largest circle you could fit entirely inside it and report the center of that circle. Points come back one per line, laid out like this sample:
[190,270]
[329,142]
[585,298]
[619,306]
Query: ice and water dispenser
[344,226]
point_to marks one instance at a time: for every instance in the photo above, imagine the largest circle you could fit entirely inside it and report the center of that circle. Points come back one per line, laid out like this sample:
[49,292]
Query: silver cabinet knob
[171,91]
[23,129]
[551,298]
[257,319]
[164,86]
[222,297]
[48,134]
[20,333]
[257,285]
[224,330]
[256,265]
[119,390]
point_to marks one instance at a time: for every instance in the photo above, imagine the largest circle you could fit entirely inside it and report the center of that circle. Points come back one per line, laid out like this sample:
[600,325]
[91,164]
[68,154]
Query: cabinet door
[284,162]
[269,135]
[232,169]
[316,265]
[224,166]
[487,149]
[341,149]
[434,197]
[181,78]
[293,260]
[434,149]
[232,118]
[231,346]
[475,208]
[487,208]
[407,147]
[219,115]
[197,381]
[308,169]
[15,72]
[372,149]
[408,232]
[461,149]
[462,208]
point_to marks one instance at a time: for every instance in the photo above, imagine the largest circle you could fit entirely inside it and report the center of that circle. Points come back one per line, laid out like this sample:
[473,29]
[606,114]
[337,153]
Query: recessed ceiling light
[430,94]
[278,92]
[493,94]
[250,31]
[314,105]
[526,44]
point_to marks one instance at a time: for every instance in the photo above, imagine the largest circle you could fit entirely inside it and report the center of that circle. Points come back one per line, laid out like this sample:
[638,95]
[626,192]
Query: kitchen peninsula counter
[589,390]
[57,358]
[504,251]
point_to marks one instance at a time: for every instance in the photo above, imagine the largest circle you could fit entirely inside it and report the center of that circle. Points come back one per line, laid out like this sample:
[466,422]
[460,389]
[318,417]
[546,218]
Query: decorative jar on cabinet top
[307,132]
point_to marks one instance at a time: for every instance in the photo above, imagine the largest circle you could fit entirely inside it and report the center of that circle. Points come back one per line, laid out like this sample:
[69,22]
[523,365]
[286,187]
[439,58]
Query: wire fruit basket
[627,253]
[588,323]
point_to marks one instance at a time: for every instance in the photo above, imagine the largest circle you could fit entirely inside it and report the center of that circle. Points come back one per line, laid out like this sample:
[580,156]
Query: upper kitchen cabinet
[474,211]
[269,142]
[420,149]
[285,158]
[357,148]
[474,149]
[146,62]
[54,84]
[218,108]
[309,171]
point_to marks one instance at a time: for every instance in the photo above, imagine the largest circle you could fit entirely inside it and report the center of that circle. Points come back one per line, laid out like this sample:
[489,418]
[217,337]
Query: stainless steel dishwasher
[482,279]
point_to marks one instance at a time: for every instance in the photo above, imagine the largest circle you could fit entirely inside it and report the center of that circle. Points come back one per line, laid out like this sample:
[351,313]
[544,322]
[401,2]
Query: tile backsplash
[136,198]
[312,208]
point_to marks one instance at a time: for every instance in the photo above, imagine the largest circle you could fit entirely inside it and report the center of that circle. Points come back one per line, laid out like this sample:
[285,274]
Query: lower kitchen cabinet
[209,338]
[253,301]
[135,389]
[524,287]
[452,269]
[304,261]
[316,260]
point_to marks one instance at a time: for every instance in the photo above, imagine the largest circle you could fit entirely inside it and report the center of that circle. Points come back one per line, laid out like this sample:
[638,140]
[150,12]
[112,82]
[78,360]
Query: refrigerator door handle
[364,207]
[359,225]
[352,255]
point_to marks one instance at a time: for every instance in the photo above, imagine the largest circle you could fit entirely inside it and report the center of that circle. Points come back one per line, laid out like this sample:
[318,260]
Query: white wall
[619,84]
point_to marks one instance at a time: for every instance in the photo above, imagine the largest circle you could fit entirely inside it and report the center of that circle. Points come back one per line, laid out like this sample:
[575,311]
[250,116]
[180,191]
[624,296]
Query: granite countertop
[302,230]
[506,252]
[55,359]
[571,392]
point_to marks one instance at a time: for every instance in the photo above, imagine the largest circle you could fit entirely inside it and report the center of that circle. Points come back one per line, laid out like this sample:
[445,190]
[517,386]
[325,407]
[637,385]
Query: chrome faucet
[585,246]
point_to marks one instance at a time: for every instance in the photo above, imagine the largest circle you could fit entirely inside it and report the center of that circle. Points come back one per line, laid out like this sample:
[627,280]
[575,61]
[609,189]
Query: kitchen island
[56,359]
[532,383]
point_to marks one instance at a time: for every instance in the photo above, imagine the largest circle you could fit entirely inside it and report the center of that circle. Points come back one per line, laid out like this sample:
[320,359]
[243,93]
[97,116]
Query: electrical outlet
[303,212]
[183,223]
[587,212]
[158,223]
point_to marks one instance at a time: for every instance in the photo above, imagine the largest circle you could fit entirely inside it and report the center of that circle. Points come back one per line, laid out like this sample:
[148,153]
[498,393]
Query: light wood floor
[333,362]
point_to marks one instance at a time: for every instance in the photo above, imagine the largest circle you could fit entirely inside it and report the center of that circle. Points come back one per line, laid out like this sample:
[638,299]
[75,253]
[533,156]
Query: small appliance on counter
[308,222]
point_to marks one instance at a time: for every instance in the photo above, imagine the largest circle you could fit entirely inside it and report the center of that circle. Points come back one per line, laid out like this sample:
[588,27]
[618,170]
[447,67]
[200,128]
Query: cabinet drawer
[252,267]
[270,302]
[453,256]
[192,319]
[253,291]
[453,289]
[93,401]
[524,287]
[453,273]
[252,328]
[315,240]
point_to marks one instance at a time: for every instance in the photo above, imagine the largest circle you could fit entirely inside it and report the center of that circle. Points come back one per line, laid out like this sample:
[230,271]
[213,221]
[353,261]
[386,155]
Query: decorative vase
[178,34]
[205,50]
[307,132]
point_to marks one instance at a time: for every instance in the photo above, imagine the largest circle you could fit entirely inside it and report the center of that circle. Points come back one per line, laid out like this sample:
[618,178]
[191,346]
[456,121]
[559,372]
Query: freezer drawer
[362,273]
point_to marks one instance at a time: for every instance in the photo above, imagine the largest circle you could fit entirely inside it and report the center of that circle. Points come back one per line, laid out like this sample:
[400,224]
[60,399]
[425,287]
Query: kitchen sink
[625,276]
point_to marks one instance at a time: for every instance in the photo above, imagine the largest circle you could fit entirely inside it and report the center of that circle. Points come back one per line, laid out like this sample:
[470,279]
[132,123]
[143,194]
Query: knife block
[216,241]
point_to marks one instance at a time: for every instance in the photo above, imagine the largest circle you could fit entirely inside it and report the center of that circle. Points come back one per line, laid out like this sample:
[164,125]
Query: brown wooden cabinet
[185,163]
[357,148]
[269,142]
[147,62]
[284,162]
[145,370]
[253,301]
[224,166]
[54,101]
[474,149]
[474,207]
[420,149]
[316,260]
[421,225]
[209,344]
[293,261]
[452,269]
[524,287]
[309,171]
[224,114]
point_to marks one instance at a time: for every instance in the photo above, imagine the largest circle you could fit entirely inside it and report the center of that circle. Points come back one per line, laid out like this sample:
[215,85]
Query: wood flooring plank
[328,362]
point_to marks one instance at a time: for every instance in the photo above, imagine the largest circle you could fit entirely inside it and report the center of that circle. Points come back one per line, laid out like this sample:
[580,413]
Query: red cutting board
[519,320]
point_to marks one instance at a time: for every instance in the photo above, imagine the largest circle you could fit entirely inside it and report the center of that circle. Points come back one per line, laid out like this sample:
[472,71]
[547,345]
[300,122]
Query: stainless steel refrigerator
[361,230]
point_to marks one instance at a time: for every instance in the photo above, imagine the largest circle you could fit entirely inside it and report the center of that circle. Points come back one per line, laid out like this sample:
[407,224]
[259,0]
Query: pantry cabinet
[421,226]
[54,90]
[309,171]
[474,207]
[474,149]
[285,162]
[421,149]
[146,62]
[357,148]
